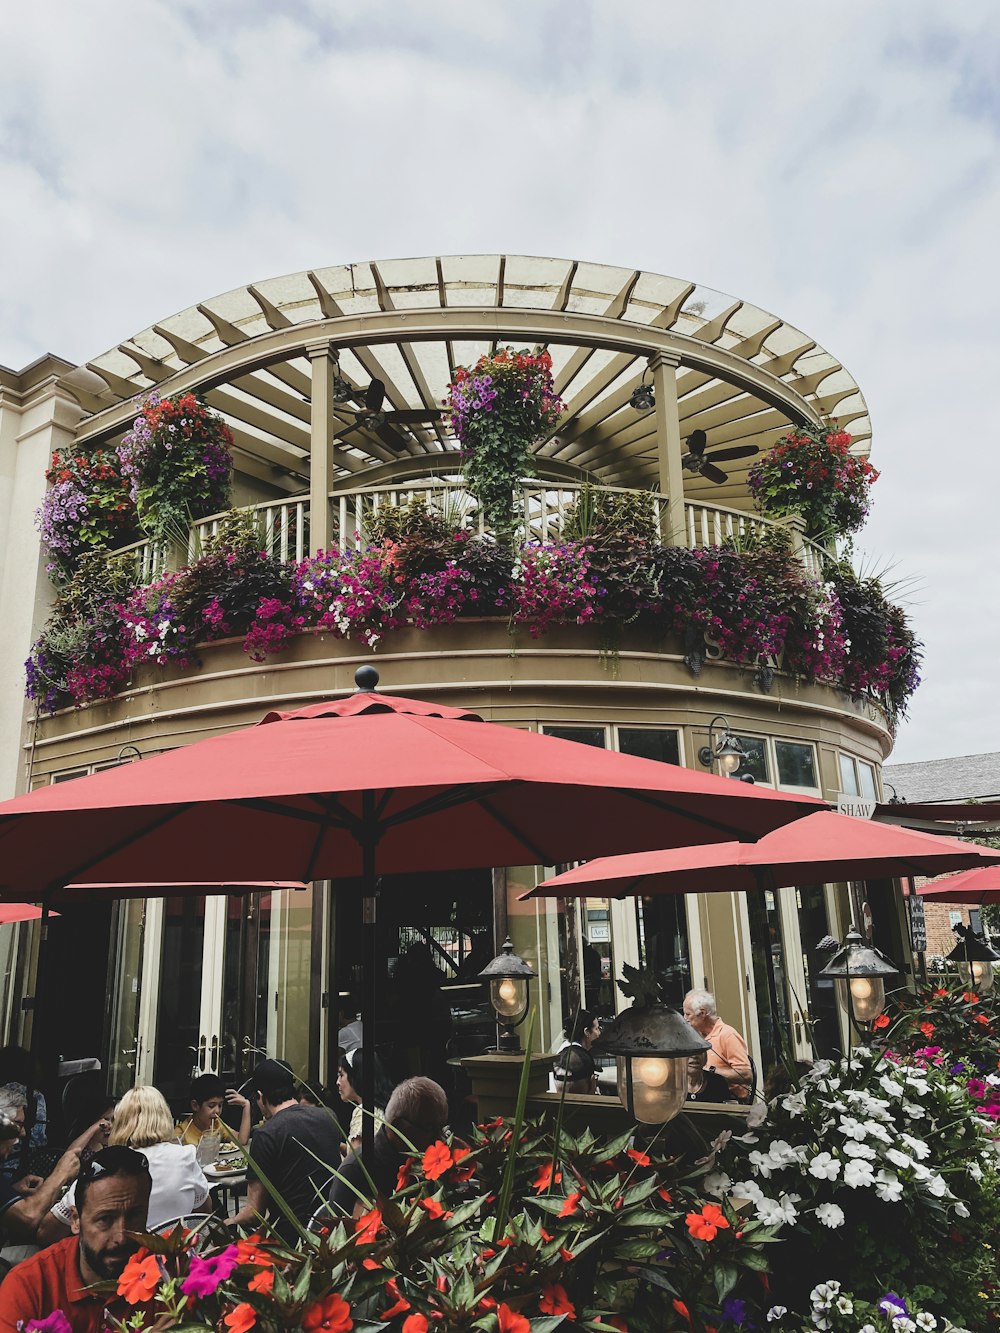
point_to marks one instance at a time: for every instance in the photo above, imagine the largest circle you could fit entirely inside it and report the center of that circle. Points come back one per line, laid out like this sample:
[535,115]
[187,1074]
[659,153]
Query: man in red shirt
[112,1197]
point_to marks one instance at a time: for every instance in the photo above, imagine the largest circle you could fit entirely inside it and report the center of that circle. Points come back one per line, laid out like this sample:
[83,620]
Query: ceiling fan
[369,416]
[696,460]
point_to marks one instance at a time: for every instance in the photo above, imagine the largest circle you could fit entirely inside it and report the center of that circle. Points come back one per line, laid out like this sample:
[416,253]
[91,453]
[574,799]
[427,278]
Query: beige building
[177,984]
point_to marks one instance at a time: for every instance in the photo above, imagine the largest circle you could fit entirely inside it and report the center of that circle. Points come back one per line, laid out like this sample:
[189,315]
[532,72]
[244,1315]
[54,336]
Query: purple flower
[894,1306]
[734,1311]
[56,1322]
[205,1276]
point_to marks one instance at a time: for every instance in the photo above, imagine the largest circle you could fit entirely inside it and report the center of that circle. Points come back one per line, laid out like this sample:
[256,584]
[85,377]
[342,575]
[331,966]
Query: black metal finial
[366,679]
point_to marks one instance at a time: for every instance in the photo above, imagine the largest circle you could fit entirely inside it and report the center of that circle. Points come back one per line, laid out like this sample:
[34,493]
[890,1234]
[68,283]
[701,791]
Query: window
[796,764]
[848,776]
[866,780]
[954,919]
[582,735]
[647,743]
[755,761]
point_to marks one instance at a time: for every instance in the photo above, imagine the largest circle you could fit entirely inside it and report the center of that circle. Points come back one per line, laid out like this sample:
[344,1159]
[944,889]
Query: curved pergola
[265,356]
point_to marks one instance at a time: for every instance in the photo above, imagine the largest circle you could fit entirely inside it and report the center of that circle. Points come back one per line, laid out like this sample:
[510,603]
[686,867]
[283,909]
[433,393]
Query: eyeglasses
[110,1161]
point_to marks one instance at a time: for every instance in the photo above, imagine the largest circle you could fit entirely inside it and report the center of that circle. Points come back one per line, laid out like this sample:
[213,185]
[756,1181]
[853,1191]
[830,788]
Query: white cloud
[835,164]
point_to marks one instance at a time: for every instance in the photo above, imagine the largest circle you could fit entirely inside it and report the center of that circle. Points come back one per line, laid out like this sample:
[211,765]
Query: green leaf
[725,1277]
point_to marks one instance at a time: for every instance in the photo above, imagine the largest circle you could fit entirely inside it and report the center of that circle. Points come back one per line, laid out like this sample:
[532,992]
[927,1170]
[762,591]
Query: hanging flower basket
[178,463]
[812,472]
[499,409]
[88,507]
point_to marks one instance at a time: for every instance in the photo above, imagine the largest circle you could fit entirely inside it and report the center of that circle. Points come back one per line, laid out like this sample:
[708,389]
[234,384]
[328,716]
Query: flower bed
[755,608]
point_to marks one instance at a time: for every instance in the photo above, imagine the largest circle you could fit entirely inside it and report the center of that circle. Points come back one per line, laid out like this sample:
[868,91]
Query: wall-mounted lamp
[722,746]
[643,397]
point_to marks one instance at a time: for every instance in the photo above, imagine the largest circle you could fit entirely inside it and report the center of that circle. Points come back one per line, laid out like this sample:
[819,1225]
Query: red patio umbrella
[11,912]
[972,886]
[820,849]
[364,786]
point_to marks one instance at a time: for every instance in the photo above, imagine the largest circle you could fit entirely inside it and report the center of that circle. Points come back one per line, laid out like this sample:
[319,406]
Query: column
[668,445]
[321,357]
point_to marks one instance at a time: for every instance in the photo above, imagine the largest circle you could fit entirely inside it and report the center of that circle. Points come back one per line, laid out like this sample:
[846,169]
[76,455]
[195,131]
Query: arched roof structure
[742,376]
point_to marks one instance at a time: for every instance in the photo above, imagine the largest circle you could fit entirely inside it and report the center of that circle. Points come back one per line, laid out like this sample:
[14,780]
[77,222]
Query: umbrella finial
[366,679]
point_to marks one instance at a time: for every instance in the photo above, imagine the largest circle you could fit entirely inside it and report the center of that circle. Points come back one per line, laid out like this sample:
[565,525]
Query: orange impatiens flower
[140,1278]
[415,1323]
[881,1022]
[400,1303]
[263,1281]
[640,1158]
[571,1204]
[510,1321]
[252,1251]
[367,1226]
[706,1224]
[330,1315]
[241,1318]
[927,1029]
[683,1311]
[434,1208]
[545,1178]
[437,1160]
[554,1300]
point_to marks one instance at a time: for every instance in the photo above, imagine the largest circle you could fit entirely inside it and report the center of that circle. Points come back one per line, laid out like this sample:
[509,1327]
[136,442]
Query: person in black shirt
[574,1065]
[705,1085]
[416,1114]
[295,1151]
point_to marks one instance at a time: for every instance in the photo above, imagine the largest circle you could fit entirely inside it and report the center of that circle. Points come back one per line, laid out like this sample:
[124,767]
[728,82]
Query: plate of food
[224,1168]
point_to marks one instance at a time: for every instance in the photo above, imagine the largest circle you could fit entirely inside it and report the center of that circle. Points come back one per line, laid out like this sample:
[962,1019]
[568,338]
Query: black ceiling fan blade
[340,430]
[713,473]
[737,451]
[374,395]
[696,442]
[408,417]
[390,437]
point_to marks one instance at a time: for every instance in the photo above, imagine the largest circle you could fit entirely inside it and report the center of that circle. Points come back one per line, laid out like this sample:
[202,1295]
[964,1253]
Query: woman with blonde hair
[143,1121]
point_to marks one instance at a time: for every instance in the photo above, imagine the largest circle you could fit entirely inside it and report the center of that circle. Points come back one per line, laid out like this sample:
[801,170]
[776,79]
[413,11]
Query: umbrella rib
[271,807]
[84,866]
[445,800]
[540,857]
[693,815]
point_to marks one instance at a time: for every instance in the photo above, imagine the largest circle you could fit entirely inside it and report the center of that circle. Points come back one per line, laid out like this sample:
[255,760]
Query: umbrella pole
[369,957]
[36,1017]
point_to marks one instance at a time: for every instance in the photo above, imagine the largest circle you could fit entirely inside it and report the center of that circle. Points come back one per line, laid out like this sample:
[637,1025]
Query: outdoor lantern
[975,959]
[651,1043]
[861,969]
[643,399]
[727,749]
[508,976]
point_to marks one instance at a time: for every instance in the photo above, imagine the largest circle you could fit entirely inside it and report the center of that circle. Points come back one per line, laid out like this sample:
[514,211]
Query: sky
[834,163]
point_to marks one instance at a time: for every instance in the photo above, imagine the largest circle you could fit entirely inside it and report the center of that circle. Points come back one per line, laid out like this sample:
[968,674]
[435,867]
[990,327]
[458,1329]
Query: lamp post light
[727,749]
[508,976]
[975,959]
[651,1043]
[861,970]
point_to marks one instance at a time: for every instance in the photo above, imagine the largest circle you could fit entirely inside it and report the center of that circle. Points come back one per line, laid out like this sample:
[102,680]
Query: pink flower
[207,1275]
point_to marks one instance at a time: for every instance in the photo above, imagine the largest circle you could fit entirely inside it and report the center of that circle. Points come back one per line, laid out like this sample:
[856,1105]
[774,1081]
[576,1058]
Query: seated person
[574,1065]
[350,1077]
[143,1121]
[415,1117]
[17,1066]
[208,1095]
[729,1055]
[705,1085]
[296,1149]
[23,1205]
[112,1194]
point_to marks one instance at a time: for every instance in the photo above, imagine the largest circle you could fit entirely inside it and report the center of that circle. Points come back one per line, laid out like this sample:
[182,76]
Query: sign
[918,924]
[860,807]
[600,932]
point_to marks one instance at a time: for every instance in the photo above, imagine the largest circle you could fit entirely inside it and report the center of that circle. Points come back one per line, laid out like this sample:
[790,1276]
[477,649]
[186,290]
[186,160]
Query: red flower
[415,1323]
[705,1225]
[683,1311]
[400,1301]
[567,1256]
[571,1205]
[331,1315]
[927,1029]
[665,1195]
[554,1300]
[545,1178]
[241,1318]
[511,1321]
[881,1022]
[251,1251]
[263,1281]
[437,1160]
[367,1226]
[981,1018]
[140,1278]
[405,1174]
[616,1322]
[434,1208]
[640,1158]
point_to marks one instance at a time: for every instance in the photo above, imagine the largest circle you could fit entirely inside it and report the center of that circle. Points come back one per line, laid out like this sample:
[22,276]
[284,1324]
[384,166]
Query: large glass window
[848,776]
[596,736]
[866,780]
[661,925]
[650,743]
[755,761]
[796,764]
[769,967]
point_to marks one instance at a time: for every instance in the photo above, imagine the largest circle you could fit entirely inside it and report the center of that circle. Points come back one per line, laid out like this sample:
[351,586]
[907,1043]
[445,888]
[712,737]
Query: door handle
[797,1020]
[202,1052]
[215,1055]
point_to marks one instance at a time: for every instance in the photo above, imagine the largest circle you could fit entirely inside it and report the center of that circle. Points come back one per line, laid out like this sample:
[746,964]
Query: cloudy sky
[835,163]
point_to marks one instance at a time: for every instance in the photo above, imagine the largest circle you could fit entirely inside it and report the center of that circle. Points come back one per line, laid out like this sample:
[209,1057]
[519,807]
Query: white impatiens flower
[774,1212]
[794,1104]
[918,1147]
[858,1173]
[925,1321]
[890,1086]
[975,1171]
[961,1210]
[716,1183]
[776,1312]
[830,1214]
[854,1149]
[783,1154]
[937,1186]
[898,1158]
[888,1187]
[852,1128]
[877,1131]
[756,1115]
[746,1189]
[824,1167]
[867,1328]
[761,1163]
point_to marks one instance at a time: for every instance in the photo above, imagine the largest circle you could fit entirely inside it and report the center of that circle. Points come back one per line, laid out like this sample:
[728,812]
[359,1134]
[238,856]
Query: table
[226,1188]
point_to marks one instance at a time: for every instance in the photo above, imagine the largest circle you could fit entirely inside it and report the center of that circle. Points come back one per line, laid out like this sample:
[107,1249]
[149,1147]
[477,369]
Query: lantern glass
[729,762]
[509,997]
[656,1090]
[863,997]
[977,976]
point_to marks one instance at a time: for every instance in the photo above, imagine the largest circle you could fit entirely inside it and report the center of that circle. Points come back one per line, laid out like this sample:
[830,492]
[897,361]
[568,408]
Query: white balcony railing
[285,523]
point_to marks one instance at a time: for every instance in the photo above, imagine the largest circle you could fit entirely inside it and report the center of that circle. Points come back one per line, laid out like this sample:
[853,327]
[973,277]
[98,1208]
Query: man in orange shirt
[729,1056]
[112,1197]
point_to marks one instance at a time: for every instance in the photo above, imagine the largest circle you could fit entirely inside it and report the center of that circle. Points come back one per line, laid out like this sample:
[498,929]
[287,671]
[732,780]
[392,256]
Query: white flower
[877,1131]
[756,1115]
[917,1146]
[776,1312]
[844,1305]
[936,1186]
[888,1187]
[830,1214]
[926,1321]
[716,1183]
[761,1163]
[975,1171]
[961,1210]
[794,1104]
[824,1167]
[903,1325]
[867,1328]
[852,1128]
[857,1173]
[898,1158]
[852,1149]
[746,1189]
[139,632]
[783,1154]
[913,1109]
[774,1212]
[823,1295]
[890,1086]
